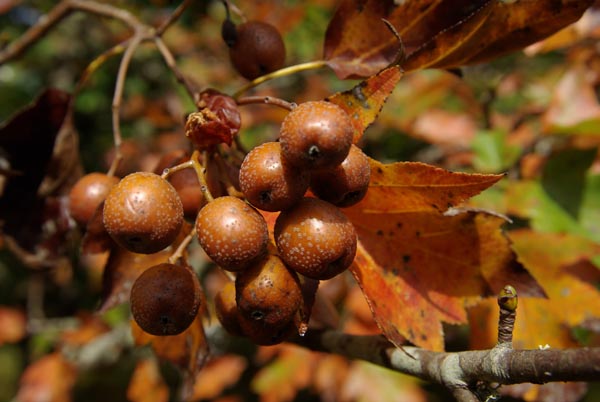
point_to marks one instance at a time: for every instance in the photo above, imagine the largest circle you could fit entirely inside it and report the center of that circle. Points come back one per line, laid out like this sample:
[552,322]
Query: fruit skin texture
[143,213]
[315,239]
[270,182]
[345,184]
[89,192]
[316,135]
[165,299]
[268,292]
[258,49]
[232,233]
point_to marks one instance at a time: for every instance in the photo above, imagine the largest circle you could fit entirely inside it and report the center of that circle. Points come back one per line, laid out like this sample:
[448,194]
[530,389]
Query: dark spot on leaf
[399,225]
[406,258]
[379,232]
[418,233]
[379,170]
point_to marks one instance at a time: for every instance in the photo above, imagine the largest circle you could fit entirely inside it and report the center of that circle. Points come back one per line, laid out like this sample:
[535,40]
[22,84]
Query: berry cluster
[313,240]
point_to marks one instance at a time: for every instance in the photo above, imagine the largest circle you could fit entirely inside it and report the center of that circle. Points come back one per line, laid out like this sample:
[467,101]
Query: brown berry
[316,135]
[143,213]
[265,335]
[226,309]
[89,192]
[257,49]
[345,184]
[232,233]
[165,299]
[269,182]
[315,239]
[268,292]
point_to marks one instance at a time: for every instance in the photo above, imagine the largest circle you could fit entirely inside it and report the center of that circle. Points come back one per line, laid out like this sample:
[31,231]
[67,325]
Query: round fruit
[316,135]
[232,233]
[226,309]
[265,335]
[87,194]
[257,49]
[268,292]
[165,299]
[345,184]
[143,213]
[315,239]
[269,182]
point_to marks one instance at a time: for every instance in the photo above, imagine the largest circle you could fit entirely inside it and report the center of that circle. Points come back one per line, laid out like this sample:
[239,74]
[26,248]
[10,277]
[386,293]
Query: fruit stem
[268,100]
[200,173]
[182,247]
[311,65]
[171,170]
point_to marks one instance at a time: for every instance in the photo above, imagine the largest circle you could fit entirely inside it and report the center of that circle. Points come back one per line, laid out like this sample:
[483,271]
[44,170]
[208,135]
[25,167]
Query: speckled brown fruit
[232,233]
[265,335]
[257,49]
[315,239]
[226,309]
[269,182]
[165,299]
[345,184]
[316,135]
[87,193]
[268,292]
[143,213]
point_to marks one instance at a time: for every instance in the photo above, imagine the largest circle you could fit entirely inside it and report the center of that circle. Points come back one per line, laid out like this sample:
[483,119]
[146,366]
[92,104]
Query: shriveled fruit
[345,184]
[316,135]
[232,233]
[315,239]
[165,299]
[87,193]
[268,292]
[226,309]
[270,182]
[143,213]
[256,49]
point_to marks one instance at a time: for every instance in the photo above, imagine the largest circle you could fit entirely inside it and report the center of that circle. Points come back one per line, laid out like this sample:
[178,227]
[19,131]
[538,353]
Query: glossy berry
[315,239]
[270,182]
[268,292]
[316,135]
[345,184]
[143,213]
[265,335]
[232,233]
[89,192]
[256,49]
[165,299]
[226,309]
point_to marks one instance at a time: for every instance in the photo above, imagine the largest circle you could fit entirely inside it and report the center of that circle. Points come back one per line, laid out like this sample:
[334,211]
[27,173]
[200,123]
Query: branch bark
[462,370]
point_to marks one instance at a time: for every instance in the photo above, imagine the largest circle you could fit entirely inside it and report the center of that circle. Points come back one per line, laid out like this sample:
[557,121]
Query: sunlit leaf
[147,384]
[364,102]
[12,325]
[219,373]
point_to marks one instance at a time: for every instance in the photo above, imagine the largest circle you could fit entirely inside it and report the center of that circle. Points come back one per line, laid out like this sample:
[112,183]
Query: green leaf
[564,176]
[589,214]
[492,153]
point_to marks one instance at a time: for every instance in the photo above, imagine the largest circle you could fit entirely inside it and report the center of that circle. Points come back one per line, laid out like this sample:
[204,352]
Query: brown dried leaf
[218,374]
[48,379]
[147,384]
[13,325]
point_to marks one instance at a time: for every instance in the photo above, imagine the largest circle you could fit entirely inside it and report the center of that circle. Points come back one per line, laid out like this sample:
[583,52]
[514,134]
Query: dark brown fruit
[316,135]
[165,299]
[265,335]
[143,213]
[232,233]
[270,183]
[268,292]
[345,184]
[226,309]
[257,49]
[315,239]
[87,194]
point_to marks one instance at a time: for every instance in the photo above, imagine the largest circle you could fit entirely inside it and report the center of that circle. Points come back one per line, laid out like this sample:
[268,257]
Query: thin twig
[169,59]
[266,100]
[178,253]
[173,17]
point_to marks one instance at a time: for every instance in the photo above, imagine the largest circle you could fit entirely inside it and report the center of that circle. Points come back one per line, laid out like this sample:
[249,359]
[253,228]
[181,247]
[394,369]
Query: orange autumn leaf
[90,327]
[147,384]
[561,264]
[416,266]
[438,33]
[49,379]
[364,102]
[218,374]
[187,350]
